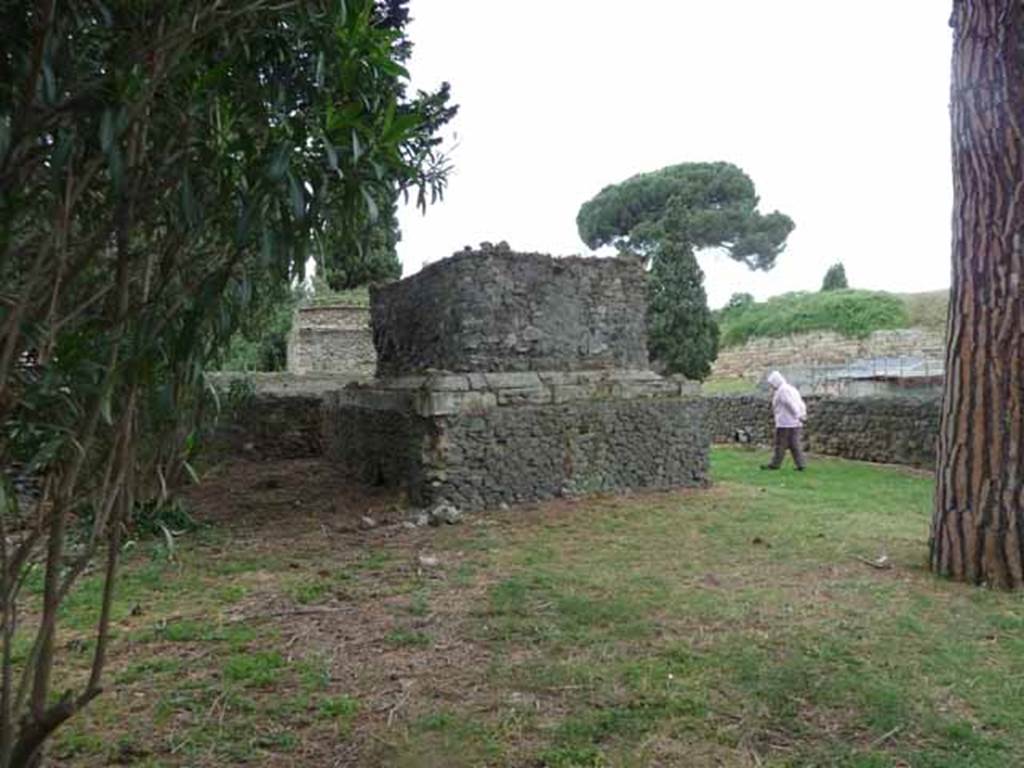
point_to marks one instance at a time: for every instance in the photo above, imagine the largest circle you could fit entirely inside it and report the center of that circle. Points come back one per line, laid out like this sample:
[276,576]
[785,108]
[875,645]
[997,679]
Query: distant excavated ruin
[331,339]
[507,377]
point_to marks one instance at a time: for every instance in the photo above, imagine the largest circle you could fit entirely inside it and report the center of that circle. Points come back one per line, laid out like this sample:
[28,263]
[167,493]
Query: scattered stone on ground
[445,513]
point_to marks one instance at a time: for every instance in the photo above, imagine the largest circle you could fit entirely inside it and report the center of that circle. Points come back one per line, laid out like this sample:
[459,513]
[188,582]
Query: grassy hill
[927,310]
[850,312]
[853,313]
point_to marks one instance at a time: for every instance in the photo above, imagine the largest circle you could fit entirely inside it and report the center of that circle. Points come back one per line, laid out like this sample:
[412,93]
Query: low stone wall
[481,440]
[539,452]
[510,437]
[884,430]
[725,414]
[270,427]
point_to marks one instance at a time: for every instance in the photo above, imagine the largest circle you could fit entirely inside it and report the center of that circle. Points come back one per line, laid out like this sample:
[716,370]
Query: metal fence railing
[876,375]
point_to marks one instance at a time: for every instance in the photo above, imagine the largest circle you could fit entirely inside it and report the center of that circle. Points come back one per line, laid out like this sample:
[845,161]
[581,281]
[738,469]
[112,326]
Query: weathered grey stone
[558,377]
[687,387]
[415,381]
[528,395]
[639,376]
[652,388]
[494,310]
[448,382]
[567,393]
[431,403]
[512,380]
[527,452]
[334,339]
[376,399]
[444,513]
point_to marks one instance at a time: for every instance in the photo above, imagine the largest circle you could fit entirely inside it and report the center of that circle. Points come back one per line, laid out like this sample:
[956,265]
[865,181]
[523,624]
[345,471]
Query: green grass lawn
[735,626]
[729,385]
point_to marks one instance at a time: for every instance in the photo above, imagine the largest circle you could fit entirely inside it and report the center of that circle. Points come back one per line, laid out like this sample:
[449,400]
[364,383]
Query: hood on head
[775,380]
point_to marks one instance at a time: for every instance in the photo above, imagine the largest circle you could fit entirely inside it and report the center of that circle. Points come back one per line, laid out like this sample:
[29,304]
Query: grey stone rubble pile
[539,386]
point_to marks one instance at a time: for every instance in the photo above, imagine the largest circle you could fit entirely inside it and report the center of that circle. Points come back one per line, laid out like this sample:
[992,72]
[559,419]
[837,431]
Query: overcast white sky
[837,110]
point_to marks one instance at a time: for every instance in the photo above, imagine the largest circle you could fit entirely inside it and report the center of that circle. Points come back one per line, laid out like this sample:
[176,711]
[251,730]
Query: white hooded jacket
[790,409]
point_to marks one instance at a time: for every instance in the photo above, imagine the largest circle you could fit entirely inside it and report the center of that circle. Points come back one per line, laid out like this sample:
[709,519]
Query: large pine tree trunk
[976,531]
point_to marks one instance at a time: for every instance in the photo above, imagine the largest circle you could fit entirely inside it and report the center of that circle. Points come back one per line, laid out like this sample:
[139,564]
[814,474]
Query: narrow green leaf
[188,201]
[8,503]
[116,167]
[320,70]
[279,163]
[371,205]
[332,157]
[107,130]
[267,249]
[357,147]
[105,409]
[298,197]
[5,135]
[49,84]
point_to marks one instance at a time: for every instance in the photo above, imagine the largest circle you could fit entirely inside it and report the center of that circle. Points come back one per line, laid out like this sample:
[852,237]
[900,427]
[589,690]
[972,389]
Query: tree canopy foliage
[166,169]
[682,334]
[835,278]
[668,215]
[703,205]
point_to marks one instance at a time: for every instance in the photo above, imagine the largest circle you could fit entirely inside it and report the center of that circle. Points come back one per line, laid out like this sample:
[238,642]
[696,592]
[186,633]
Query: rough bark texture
[979,505]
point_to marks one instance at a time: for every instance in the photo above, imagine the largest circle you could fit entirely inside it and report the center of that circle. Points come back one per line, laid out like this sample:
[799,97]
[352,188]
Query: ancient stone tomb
[507,377]
[331,339]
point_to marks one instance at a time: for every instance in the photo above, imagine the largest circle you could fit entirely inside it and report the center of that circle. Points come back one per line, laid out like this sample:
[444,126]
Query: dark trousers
[787,438]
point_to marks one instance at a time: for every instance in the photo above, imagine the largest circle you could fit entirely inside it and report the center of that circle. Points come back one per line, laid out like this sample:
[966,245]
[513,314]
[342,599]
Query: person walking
[790,411]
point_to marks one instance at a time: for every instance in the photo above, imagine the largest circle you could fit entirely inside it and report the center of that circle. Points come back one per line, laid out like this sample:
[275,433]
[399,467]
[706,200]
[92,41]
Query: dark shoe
[768,466]
[800,469]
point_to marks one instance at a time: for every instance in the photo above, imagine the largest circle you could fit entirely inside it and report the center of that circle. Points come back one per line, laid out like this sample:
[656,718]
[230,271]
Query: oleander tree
[976,532]
[166,170]
[667,216]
